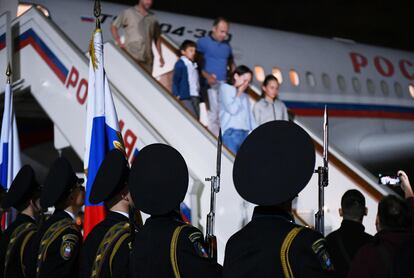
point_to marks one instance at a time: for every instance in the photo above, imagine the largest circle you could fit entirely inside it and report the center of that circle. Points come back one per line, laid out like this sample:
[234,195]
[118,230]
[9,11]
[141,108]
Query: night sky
[383,23]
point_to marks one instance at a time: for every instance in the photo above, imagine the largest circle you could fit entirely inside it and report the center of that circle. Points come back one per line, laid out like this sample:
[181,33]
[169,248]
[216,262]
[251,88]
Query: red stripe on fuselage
[354,114]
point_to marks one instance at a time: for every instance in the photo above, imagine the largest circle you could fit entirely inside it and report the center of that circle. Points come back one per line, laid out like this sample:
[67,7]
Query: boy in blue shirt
[186,85]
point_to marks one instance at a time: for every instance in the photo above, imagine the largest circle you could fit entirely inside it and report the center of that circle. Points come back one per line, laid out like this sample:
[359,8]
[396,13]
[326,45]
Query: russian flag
[10,162]
[102,130]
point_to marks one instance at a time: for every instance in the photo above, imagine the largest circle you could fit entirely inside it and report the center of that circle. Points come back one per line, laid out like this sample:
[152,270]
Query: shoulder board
[51,234]
[112,240]
[173,250]
[319,248]
[17,234]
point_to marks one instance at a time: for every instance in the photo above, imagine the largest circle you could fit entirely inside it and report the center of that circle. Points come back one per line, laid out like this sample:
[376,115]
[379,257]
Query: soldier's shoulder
[314,243]
[69,242]
[308,234]
[189,232]
[192,238]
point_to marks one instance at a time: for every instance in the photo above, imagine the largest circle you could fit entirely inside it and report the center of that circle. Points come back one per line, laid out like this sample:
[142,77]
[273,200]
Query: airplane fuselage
[369,90]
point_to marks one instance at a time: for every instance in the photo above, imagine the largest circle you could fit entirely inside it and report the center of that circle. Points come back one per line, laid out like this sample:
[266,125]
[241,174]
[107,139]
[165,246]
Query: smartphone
[389,180]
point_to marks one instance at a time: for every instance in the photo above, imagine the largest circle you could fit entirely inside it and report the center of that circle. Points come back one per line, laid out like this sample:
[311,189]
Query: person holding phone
[395,226]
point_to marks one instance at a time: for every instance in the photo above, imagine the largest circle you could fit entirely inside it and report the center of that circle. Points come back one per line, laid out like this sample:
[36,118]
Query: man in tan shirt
[141,28]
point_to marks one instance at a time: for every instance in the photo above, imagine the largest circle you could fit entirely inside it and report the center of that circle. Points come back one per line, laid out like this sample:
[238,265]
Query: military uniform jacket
[260,249]
[61,259]
[1,251]
[152,249]
[118,248]
[14,245]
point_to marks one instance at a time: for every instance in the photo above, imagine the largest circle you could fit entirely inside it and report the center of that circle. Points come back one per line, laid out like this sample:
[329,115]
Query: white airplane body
[369,90]
[368,127]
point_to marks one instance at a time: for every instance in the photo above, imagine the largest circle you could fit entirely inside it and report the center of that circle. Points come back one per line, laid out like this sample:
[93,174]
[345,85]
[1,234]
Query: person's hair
[266,81]
[186,44]
[219,19]
[393,213]
[240,70]
[65,200]
[30,196]
[22,206]
[353,205]
[112,201]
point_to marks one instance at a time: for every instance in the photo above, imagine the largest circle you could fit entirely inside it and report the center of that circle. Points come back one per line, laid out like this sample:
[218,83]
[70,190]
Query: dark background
[383,23]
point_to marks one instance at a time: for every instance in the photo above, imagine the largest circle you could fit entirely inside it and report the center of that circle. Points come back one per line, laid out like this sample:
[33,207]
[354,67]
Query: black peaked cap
[158,180]
[60,179]
[23,187]
[274,163]
[111,177]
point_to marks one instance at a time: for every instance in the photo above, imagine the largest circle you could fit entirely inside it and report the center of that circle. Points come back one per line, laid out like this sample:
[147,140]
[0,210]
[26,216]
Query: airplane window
[259,73]
[356,84]
[294,78]
[370,86]
[326,81]
[22,8]
[384,88]
[398,89]
[341,83]
[278,74]
[310,78]
[411,88]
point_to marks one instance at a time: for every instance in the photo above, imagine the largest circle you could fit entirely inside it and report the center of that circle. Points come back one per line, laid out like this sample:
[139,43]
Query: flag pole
[8,73]
[97,13]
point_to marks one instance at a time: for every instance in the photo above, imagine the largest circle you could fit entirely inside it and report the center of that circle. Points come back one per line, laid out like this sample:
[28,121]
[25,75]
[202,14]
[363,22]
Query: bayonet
[323,180]
[211,239]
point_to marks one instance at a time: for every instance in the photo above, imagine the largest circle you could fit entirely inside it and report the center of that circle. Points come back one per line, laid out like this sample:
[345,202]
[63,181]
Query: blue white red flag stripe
[10,162]
[102,129]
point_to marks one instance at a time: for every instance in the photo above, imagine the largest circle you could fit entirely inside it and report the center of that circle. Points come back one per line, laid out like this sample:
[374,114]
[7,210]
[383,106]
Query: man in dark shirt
[395,229]
[345,242]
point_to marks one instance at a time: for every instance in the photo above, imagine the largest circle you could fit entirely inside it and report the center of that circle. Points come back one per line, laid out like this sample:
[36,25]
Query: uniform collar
[70,214]
[121,213]
[25,218]
[171,215]
[272,212]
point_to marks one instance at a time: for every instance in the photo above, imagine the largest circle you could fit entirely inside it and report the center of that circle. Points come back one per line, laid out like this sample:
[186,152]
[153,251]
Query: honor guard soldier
[23,195]
[2,194]
[105,252]
[165,246]
[55,249]
[272,166]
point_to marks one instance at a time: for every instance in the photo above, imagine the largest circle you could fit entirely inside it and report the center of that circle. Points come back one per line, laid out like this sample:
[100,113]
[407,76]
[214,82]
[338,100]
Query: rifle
[211,239]
[322,178]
